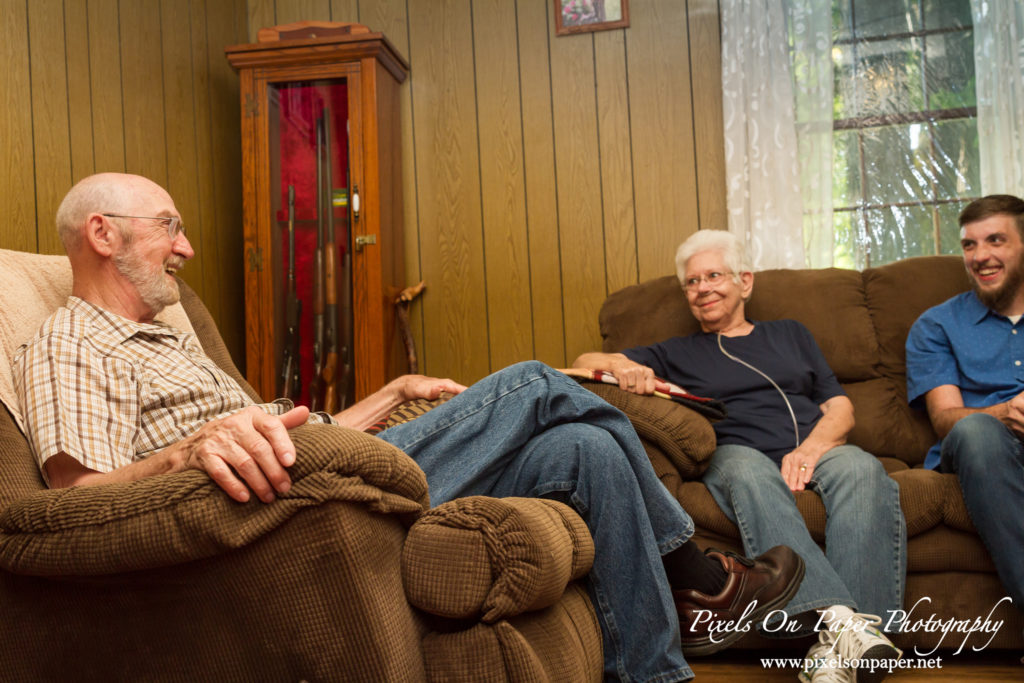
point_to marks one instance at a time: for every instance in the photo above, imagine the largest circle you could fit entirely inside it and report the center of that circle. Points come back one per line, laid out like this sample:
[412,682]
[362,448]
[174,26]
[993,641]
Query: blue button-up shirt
[964,343]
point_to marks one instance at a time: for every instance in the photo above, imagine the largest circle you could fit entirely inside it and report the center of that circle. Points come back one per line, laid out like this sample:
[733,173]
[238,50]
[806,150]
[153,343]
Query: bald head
[100,193]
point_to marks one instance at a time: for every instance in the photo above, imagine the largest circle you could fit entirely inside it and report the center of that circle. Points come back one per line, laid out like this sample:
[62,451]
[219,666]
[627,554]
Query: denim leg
[988,459]
[529,430]
[865,531]
[750,490]
[582,466]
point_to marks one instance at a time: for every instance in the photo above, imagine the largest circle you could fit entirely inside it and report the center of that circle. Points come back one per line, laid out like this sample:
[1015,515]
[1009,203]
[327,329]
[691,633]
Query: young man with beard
[110,394]
[964,365]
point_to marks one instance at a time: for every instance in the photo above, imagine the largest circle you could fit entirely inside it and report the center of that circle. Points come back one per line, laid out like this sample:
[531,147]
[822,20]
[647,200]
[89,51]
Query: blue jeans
[864,565]
[531,431]
[988,459]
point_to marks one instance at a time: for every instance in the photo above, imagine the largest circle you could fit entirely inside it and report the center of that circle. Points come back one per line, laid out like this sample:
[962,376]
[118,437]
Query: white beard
[155,289]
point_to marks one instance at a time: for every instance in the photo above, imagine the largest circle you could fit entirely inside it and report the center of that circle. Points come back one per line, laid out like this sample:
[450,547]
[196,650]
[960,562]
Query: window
[905,142]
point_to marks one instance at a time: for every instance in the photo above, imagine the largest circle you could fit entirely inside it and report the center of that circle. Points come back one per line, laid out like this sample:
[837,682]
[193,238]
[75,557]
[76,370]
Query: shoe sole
[878,652]
[705,646]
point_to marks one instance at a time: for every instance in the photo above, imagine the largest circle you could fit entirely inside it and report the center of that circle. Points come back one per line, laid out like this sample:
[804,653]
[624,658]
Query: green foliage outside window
[905,141]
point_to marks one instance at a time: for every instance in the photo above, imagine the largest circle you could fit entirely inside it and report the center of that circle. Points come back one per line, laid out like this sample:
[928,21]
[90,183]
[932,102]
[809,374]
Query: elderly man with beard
[110,394]
[964,365]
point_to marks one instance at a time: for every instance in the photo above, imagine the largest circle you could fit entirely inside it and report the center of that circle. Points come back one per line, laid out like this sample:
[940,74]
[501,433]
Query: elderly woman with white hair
[788,419]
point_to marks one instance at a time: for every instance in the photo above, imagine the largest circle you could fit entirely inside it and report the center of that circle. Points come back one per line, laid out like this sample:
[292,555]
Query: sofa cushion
[830,302]
[928,499]
[646,313]
[886,426]
[896,294]
[943,549]
[681,433]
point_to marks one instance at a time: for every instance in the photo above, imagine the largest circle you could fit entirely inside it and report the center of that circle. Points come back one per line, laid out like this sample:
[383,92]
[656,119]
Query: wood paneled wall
[541,172]
[138,86]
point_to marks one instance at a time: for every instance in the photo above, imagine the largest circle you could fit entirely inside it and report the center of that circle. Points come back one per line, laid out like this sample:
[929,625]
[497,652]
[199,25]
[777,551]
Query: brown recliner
[348,576]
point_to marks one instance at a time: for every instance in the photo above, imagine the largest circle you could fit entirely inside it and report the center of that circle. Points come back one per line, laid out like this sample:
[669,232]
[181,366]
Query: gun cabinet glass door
[312,204]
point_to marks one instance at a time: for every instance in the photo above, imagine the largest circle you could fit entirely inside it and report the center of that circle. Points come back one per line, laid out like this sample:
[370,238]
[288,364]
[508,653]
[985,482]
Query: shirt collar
[979,311]
[109,330]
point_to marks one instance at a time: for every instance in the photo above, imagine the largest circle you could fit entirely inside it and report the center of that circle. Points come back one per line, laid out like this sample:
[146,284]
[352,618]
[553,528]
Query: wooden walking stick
[402,302]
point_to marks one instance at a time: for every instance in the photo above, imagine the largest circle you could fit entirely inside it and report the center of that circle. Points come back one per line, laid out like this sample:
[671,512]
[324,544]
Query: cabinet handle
[363,240]
[355,202]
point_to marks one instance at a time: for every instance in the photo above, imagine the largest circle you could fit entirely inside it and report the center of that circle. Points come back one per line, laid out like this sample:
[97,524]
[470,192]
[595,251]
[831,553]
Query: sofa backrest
[859,319]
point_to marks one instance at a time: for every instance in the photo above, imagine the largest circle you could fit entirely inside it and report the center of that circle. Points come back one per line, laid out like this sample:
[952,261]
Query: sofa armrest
[493,558]
[181,517]
[685,436]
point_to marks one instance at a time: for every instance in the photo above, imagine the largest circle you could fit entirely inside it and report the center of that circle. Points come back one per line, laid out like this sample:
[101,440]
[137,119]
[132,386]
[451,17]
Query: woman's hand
[798,467]
[633,377]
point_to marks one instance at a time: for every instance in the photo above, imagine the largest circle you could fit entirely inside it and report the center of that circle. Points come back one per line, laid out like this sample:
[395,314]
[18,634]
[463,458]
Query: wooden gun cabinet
[321,146]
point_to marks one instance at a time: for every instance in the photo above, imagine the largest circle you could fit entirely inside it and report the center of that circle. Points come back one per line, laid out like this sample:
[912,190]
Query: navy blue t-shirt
[782,349]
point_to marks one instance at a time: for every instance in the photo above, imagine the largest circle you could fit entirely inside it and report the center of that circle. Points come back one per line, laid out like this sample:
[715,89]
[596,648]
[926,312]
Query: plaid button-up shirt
[108,391]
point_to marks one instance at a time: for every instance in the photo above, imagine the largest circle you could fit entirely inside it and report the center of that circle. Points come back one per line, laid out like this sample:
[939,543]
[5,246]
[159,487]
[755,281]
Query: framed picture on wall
[577,16]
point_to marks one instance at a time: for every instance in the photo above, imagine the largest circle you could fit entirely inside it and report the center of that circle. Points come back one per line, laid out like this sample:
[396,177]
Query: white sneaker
[821,665]
[858,650]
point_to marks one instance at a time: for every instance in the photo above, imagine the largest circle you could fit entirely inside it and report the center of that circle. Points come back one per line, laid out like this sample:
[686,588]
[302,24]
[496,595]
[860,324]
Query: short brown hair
[995,205]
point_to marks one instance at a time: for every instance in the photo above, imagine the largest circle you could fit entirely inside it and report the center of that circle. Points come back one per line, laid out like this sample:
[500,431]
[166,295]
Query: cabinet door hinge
[252,105]
[255,260]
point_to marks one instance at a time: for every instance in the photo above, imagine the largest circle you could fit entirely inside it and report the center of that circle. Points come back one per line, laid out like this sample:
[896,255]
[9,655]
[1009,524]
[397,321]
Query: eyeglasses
[713,278]
[173,223]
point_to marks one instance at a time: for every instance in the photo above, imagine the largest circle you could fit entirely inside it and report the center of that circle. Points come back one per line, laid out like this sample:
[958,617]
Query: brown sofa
[346,577]
[860,320]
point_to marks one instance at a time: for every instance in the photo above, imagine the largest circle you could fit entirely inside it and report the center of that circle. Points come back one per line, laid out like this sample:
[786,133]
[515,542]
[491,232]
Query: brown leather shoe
[754,588]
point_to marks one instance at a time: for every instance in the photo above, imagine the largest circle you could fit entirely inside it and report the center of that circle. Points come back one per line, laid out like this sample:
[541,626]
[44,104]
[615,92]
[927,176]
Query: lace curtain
[778,99]
[762,173]
[999,69]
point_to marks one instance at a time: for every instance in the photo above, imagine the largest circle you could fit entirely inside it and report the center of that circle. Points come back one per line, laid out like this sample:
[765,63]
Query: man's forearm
[63,471]
[379,404]
[372,409]
[943,420]
[249,449]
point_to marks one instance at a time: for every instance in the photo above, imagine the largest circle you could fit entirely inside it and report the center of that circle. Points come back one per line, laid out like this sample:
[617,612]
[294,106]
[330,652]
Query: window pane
[848,253]
[846,189]
[949,227]
[956,158]
[898,231]
[842,20]
[882,17]
[947,13]
[950,72]
[877,78]
[905,172]
[898,164]
[844,83]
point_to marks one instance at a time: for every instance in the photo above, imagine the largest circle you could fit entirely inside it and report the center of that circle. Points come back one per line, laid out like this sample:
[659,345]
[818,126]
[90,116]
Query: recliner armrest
[493,558]
[175,518]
